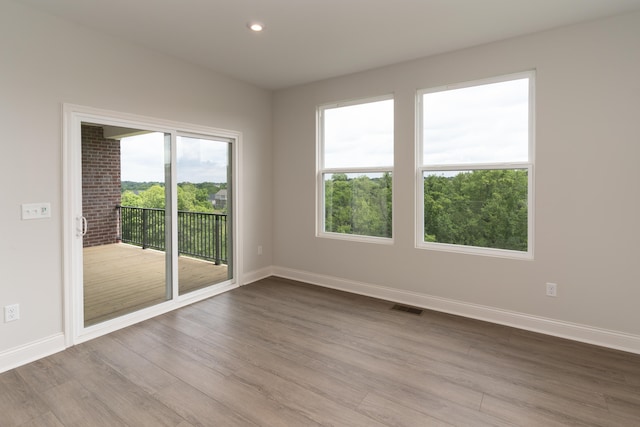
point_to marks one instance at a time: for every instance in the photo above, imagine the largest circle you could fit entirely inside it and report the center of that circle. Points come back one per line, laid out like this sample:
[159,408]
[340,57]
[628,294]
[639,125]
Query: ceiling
[309,40]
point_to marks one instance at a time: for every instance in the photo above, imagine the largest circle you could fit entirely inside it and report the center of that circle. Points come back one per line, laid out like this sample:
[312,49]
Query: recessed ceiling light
[255,26]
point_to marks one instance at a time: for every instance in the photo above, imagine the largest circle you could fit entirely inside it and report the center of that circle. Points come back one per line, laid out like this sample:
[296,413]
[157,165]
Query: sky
[479,124]
[359,135]
[198,160]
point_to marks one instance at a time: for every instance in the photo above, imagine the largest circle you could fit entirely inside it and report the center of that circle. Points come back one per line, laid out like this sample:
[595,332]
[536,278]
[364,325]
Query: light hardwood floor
[282,353]
[122,278]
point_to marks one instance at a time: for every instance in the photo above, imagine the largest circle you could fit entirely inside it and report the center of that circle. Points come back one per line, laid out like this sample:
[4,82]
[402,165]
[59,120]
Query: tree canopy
[191,197]
[484,208]
[359,205]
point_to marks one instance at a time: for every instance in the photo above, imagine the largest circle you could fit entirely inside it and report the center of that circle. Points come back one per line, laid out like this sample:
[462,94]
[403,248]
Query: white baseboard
[576,332]
[254,276]
[30,352]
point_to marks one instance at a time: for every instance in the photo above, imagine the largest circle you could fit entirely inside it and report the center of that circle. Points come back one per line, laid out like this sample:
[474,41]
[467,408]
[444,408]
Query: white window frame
[421,168]
[321,171]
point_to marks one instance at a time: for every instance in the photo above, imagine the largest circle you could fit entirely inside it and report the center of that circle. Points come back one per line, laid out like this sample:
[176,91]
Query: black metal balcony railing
[200,234]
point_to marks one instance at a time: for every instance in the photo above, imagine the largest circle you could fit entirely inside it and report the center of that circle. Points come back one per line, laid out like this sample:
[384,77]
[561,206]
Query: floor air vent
[407,309]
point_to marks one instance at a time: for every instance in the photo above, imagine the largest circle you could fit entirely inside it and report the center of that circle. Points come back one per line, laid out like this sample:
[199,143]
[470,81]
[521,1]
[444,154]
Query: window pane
[483,208]
[358,203]
[480,124]
[359,135]
[203,174]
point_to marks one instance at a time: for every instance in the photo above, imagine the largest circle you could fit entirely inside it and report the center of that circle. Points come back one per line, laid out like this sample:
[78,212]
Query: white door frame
[73,115]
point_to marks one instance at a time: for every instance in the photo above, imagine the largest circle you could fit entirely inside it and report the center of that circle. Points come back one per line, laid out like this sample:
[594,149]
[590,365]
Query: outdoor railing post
[144,228]
[216,239]
[118,223]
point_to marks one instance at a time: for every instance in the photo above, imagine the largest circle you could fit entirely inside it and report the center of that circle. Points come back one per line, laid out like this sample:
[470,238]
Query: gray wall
[47,62]
[586,178]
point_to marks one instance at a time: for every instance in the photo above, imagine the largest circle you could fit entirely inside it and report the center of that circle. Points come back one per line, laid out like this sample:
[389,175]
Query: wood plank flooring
[283,353]
[121,278]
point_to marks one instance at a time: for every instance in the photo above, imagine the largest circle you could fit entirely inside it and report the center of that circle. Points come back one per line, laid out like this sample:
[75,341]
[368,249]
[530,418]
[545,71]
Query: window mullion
[364,170]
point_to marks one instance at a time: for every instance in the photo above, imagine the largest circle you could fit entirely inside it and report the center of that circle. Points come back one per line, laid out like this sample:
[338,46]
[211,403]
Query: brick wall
[100,186]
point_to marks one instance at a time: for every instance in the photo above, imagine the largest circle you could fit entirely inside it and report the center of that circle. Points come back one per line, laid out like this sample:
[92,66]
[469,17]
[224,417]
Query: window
[355,169]
[475,166]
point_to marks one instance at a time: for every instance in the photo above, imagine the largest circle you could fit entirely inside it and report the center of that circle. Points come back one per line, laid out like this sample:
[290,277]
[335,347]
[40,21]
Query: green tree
[193,199]
[153,197]
[359,205]
[485,208]
[338,203]
[129,198]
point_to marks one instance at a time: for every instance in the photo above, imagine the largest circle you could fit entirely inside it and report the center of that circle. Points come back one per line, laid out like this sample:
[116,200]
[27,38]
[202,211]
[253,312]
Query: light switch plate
[36,210]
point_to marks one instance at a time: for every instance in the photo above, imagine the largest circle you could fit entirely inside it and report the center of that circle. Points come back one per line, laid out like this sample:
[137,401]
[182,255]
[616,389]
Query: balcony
[124,277]
[201,235]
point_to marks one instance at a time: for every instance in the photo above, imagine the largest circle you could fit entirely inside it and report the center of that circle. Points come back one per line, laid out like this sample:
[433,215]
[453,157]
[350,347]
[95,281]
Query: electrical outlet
[552,290]
[11,312]
[260,250]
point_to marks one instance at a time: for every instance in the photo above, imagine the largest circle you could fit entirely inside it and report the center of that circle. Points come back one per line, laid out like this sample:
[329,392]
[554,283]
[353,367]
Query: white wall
[586,186]
[45,62]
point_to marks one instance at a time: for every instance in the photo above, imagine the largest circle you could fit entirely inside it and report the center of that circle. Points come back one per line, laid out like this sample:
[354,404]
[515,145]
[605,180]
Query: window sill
[356,238]
[475,250]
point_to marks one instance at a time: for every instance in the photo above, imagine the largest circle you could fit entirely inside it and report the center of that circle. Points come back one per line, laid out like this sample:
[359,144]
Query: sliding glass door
[204,207]
[156,217]
[126,176]
[150,217]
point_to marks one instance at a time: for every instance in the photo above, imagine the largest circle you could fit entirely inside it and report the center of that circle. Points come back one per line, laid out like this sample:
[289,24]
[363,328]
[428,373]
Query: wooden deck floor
[121,278]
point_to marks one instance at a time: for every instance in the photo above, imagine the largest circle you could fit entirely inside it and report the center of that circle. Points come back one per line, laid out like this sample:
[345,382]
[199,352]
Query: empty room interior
[288,213]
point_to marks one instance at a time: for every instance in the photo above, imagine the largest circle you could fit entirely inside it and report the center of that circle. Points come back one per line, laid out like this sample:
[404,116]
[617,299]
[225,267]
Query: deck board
[121,278]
